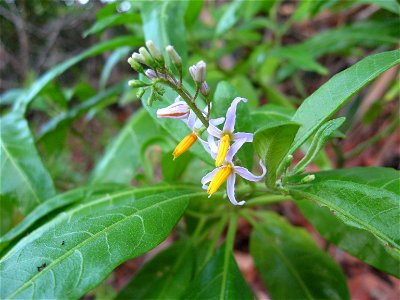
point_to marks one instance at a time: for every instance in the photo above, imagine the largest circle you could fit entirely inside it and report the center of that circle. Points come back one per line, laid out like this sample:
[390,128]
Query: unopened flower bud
[136,83]
[135,65]
[138,58]
[198,72]
[148,59]
[308,178]
[204,89]
[151,74]
[155,52]
[176,59]
[177,110]
[140,93]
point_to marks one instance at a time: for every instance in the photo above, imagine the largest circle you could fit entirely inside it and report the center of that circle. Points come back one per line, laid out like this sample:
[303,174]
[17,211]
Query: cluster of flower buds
[221,144]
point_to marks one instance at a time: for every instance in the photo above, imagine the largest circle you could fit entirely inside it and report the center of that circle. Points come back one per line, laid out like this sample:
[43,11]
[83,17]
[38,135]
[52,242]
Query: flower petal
[234,148]
[206,179]
[217,121]
[191,120]
[213,146]
[230,189]
[214,131]
[231,115]
[244,135]
[246,174]
[177,110]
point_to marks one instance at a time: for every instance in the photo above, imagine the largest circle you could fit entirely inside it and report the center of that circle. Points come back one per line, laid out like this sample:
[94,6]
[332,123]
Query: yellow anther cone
[223,150]
[219,178]
[185,144]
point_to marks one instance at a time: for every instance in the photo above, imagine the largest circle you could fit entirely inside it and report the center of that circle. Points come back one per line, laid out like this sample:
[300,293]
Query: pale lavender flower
[226,135]
[198,72]
[177,110]
[227,172]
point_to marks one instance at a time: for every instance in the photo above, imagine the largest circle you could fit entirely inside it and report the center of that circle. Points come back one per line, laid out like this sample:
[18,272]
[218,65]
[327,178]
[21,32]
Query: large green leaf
[52,204]
[272,144]
[76,250]
[166,276]
[330,97]
[163,23]
[366,198]
[99,48]
[359,243]
[290,263]
[220,278]
[122,158]
[23,177]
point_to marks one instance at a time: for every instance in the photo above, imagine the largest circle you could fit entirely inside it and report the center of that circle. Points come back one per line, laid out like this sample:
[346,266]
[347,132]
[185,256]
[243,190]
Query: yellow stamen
[185,144]
[219,178]
[223,150]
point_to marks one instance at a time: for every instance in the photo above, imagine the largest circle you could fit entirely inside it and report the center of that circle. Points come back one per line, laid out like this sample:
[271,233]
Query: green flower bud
[136,83]
[140,93]
[148,59]
[135,65]
[308,178]
[176,59]
[155,52]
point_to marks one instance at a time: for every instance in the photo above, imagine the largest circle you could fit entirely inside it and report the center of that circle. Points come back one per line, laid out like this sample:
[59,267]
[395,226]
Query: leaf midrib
[88,240]
[20,171]
[380,235]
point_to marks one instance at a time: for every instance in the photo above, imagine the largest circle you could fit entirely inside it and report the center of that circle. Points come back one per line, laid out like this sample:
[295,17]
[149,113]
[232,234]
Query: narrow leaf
[220,278]
[99,48]
[319,140]
[166,276]
[290,263]
[272,145]
[330,97]
[366,198]
[23,177]
[76,250]
[359,243]
[113,20]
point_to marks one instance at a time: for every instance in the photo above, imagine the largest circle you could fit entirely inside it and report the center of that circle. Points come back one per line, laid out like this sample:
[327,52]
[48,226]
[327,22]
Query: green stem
[188,99]
[267,199]
[230,236]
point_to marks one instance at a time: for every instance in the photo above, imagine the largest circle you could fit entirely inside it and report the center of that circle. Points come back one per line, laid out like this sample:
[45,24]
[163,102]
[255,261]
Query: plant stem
[181,90]
[230,236]
[267,199]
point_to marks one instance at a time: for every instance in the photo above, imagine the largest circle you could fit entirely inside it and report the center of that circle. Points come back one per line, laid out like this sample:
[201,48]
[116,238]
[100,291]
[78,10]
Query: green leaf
[115,57]
[121,159]
[290,263]
[223,97]
[23,176]
[270,113]
[64,119]
[359,243]
[330,97]
[166,276]
[113,20]
[366,198]
[99,48]
[390,5]
[52,204]
[272,144]
[163,23]
[319,140]
[76,250]
[230,17]
[220,278]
